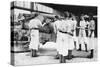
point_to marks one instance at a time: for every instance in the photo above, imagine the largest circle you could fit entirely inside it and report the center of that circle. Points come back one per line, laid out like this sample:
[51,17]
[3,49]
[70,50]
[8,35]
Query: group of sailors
[66,39]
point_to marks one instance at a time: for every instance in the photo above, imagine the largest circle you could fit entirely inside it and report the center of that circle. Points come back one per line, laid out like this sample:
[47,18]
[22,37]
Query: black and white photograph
[51,33]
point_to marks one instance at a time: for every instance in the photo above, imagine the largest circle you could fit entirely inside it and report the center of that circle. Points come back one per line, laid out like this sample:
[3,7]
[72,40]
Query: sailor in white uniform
[74,33]
[91,28]
[69,40]
[83,41]
[56,25]
[91,44]
[61,40]
[34,26]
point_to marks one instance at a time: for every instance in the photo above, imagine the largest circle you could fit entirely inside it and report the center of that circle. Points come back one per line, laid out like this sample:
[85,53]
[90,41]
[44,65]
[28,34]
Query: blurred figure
[92,27]
[91,35]
[60,29]
[70,28]
[34,25]
[74,33]
[56,25]
[82,35]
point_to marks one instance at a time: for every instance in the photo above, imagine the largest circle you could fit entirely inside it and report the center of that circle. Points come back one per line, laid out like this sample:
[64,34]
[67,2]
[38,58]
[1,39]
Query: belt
[66,33]
[34,29]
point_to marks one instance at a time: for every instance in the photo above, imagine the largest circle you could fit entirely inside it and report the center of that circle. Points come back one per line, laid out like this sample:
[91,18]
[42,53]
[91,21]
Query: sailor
[92,27]
[61,39]
[91,39]
[82,35]
[34,25]
[74,33]
[69,37]
[56,25]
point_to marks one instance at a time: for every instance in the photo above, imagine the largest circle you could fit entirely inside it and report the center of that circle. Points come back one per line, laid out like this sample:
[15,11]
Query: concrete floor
[47,56]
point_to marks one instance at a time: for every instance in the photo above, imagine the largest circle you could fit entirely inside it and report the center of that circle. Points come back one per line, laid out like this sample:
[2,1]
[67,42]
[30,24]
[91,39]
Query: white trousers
[75,39]
[70,42]
[64,43]
[91,44]
[34,43]
[82,39]
[91,40]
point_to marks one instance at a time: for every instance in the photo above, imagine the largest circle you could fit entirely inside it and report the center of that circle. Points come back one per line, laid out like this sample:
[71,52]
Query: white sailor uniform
[34,33]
